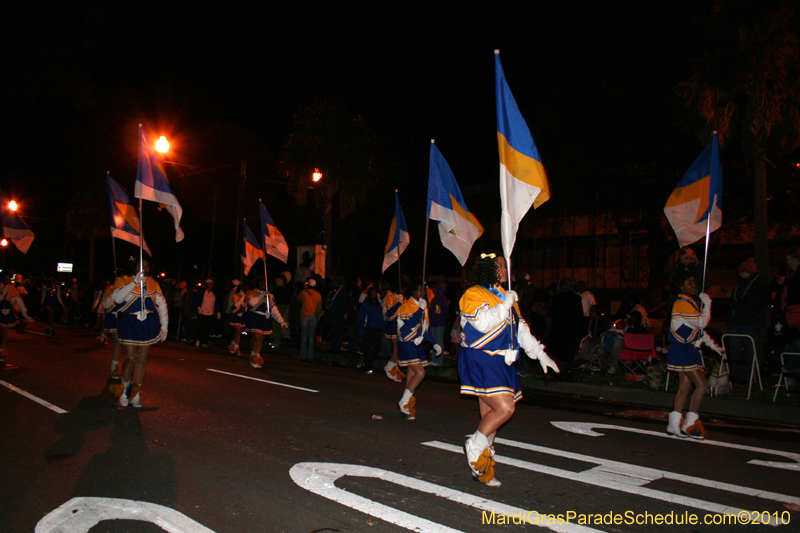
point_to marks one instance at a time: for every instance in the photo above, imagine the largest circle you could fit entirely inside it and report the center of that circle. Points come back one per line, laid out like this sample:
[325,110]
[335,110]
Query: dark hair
[413,286]
[485,272]
[793,252]
[680,279]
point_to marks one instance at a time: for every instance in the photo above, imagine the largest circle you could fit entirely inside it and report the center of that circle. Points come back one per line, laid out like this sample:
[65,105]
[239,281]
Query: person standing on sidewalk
[748,311]
[437,311]
[689,318]
[208,309]
[311,307]
[493,330]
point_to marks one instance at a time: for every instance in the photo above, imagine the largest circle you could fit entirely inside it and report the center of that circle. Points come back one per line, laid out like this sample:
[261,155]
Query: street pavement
[314,447]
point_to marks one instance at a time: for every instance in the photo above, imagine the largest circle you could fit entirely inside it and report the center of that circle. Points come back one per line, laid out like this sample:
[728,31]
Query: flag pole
[708,237]
[142,312]
[425,248]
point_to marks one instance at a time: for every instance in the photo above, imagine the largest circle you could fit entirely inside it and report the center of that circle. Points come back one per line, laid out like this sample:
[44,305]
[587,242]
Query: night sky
[595,83]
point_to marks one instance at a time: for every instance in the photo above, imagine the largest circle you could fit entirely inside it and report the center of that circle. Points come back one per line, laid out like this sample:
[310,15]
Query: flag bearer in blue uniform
[259,320]
[110,328]
[412,330]
[492,333]
[139,327]
[685,331]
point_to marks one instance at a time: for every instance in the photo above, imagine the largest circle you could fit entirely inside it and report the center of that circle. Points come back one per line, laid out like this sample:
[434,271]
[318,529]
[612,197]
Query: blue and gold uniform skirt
[409,353]
[110,323]
[486,375]
[683,357]
[237,319]
[256,322]
[8,318]
[131,330]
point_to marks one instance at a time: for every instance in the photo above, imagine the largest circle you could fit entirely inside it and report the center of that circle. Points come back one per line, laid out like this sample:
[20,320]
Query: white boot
[474,449]
[123,400]
[674,427]
[693,427]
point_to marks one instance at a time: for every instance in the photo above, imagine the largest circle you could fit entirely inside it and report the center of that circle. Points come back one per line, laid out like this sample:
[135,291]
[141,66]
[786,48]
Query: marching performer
[492,332]
[9,298]
[391,305]
[685,329]
[412,330]
[138,327]
[259,320]
[110,323]
[236,318]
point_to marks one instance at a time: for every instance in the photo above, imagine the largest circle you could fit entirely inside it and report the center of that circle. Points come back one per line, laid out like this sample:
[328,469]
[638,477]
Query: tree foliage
[342,145]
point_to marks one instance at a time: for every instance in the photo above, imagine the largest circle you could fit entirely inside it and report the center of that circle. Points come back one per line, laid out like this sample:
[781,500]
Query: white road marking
[79,515]
[625,477]
[30,396]
[586,428]
[262,380]
[320,478]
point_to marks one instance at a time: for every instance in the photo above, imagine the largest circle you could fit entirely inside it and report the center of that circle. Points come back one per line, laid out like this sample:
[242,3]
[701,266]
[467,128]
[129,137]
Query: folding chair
[782,377]
[638,349]
[754,368]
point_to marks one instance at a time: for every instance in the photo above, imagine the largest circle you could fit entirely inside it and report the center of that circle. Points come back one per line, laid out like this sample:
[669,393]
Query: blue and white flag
[696,203]
[398,236]
[152,184]
[274,243]
[124,218]
[251,251]
[523,180]
[458,228]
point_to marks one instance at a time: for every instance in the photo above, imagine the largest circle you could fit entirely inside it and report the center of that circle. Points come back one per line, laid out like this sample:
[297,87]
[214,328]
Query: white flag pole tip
[497,51]
[433,141]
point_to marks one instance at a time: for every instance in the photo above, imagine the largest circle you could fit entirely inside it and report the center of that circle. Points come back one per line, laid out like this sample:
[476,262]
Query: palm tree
[344,148]
[747,87]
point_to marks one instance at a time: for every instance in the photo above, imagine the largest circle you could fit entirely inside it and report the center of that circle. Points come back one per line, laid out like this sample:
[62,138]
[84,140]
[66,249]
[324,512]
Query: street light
[13,205]
[162,145]
[316,176]
[4,243]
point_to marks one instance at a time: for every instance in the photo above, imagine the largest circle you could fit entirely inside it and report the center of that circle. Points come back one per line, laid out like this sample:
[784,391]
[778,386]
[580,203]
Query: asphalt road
[215,451]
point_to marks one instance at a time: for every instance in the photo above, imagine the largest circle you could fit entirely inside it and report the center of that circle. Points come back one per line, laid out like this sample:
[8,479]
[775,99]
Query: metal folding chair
[782,377]
[755,370]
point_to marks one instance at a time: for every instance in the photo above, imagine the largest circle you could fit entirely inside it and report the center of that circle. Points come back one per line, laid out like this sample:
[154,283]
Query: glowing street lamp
[316,176]
[4,243]
[13,205]
[162,145]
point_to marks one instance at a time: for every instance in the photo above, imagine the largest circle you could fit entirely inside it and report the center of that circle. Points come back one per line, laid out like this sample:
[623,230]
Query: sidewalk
[759,408]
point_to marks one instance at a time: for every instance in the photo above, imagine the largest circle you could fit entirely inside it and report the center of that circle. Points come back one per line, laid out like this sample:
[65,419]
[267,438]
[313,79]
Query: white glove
[423,304]
[510,298]
[437,350]
[705,298]
[546,363]
[418,341]
[163,334]
[511,356]
[137,279]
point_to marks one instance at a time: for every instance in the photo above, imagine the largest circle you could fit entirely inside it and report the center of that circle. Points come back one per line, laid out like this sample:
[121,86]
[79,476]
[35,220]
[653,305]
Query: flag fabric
[124,219]
[273,242]
[152,184]
[523,180]
[398,236]
[15,229]
[458,228]
[251,251]
[696,203]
